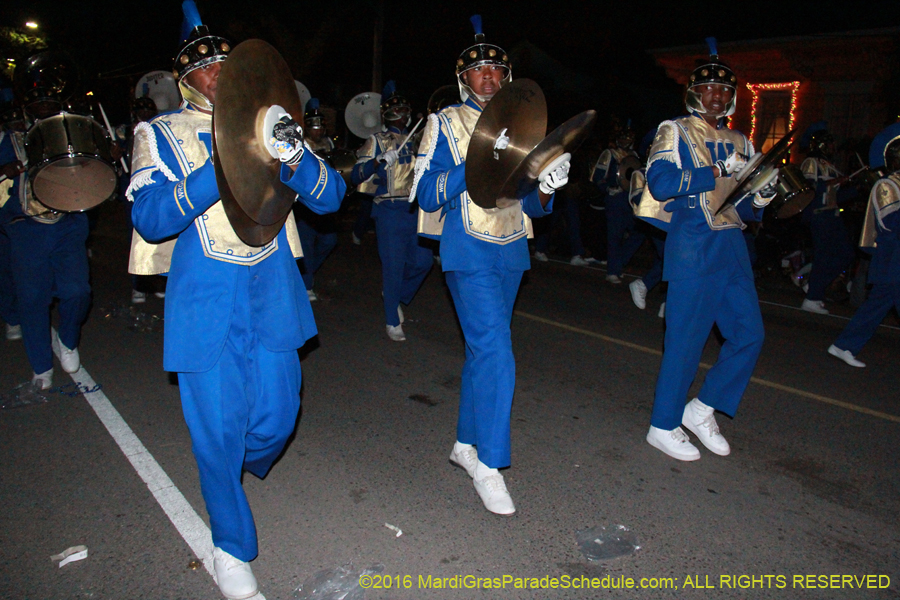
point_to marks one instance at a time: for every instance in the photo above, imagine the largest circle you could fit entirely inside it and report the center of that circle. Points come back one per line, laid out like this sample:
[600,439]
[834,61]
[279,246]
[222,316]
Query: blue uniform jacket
[201,291]
[885,265]
[693,249]
[440,188]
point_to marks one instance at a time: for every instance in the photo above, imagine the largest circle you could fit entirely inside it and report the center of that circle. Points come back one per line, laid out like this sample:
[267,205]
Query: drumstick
[112,135]
[419,122]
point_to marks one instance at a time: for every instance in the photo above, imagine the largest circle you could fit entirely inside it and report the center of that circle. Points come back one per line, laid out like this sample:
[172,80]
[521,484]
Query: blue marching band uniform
[706,264]
[484,254]
[385,170]
[47,260]
[235,314]
[880,237]
[622,240]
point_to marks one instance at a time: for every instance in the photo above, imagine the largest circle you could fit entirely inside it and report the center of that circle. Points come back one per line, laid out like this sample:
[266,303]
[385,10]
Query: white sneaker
[43,381]
[464,456]
[662,311]
[68,358]
[356,240]
[578,261]
[492,489]
[235,577]
[138,297]
[614,279]
[814,306]
[396,333]
[13,332]
[638,293]
[159,295]
[700,420]
[675,443]
[540,257]
[846,356]
[312,295]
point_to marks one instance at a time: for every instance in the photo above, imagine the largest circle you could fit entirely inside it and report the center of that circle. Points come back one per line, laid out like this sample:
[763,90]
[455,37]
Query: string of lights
[756,88]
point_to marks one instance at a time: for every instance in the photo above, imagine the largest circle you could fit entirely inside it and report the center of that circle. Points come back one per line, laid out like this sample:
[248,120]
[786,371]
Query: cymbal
[627,166]
[758,169]
[564,139]
[250,232]
[520,109]
[253,78]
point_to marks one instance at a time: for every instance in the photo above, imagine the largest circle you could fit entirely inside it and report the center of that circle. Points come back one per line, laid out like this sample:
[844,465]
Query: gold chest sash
[494,225]
[884,199]
[696,133]
[182,131]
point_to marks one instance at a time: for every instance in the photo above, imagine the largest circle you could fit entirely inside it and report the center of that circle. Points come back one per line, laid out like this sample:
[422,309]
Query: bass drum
[342,161]
[69,163]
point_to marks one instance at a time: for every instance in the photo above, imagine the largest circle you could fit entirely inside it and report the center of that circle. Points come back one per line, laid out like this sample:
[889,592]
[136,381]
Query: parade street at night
[810,492]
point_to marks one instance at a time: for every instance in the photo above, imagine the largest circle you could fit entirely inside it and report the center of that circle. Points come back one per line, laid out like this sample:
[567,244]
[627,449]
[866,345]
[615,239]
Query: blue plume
[880,144]
[312,104]
[390,88]
[814,128]
[191,19]
[476,23]
[713,46]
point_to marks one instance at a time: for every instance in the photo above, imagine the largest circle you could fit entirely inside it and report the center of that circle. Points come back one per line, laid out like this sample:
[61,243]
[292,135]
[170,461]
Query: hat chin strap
[194,97]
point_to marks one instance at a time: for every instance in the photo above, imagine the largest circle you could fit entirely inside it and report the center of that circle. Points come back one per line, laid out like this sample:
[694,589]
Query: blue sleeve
[319,186]
[165,208]
[747,212]
[7,152]
[443,181]
[891,225]
[666,180]
[363,171]
[531,204]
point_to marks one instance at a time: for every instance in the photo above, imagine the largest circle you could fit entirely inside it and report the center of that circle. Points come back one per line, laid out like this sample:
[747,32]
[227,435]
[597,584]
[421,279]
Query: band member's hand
[12,169]
[389,157]
[555,179]
[287,140]
[768,191]
[502,141]
[731,165]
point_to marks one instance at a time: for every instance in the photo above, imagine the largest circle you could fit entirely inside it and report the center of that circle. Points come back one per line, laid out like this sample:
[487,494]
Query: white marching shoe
[43,381]
[814,306]
[464,456]
[540,257]
[395,332]
[675,443]
[846,356]
[578,261]
[138,297]
[236,579]
[68,358]
[638,293]
[614,279]
[700,420]
[13,332]
[492,489]
[312,295]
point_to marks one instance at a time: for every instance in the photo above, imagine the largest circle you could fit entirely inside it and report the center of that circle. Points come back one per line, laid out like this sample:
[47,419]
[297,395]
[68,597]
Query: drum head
[74,184]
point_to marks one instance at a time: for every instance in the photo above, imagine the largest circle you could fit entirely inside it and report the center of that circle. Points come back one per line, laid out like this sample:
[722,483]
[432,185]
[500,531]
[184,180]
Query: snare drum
[69,162]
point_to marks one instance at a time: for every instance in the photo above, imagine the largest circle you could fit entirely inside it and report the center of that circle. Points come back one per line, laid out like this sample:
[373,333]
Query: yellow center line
[756,380]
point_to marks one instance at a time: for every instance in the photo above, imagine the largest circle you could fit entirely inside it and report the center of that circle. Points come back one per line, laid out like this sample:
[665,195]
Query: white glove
[555,179]
[287,140]
[389,157]
[731,165]
[502,141]
[768,191]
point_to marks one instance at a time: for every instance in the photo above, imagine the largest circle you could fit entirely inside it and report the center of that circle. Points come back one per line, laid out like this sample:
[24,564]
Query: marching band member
[318,233]
[832,250]
[882,227]
[690,168]
[47,252]
[235,314]
[385,170]
[483,255]
[622,240]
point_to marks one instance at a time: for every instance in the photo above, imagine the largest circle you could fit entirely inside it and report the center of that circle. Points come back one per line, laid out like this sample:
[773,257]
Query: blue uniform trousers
[240,414]
[318,237]
[619,221]
[404,263]
[50,261]
[484,301]
[654,274]
[869,316]
[364,216]
[728,299]
[832,252]
[8,311]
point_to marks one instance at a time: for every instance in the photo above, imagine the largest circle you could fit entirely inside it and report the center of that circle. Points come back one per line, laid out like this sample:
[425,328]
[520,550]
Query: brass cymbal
[250,232]
[253,78]
[758,169]
[565,138]
[520,109]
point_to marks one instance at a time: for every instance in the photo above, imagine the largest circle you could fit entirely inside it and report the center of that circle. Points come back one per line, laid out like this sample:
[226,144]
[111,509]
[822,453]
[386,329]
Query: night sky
[329,44]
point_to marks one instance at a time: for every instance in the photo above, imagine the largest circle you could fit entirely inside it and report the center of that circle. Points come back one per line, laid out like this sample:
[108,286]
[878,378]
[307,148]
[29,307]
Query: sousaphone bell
[363,114]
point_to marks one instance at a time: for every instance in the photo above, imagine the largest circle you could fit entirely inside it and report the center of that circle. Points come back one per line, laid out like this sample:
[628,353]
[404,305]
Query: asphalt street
[810,493]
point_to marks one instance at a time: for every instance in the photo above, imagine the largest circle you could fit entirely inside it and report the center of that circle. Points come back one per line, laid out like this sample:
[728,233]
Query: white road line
[170,499]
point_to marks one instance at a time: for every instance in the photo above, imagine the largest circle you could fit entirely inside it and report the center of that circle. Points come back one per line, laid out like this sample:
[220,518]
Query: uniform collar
[720,123]
[472,104]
